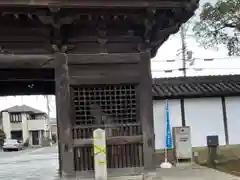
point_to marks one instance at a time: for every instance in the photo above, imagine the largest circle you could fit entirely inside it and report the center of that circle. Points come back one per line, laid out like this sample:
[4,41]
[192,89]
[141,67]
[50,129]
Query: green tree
[220,24]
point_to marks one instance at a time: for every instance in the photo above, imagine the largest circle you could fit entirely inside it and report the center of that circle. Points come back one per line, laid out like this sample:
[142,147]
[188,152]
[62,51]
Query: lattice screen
[114,108]
[116,101]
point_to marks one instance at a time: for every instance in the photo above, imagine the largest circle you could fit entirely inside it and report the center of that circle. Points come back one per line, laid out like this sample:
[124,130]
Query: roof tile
[196,86]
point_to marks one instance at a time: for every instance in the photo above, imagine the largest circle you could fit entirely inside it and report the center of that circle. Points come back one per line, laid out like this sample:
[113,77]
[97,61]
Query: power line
[197,59]
[196,69]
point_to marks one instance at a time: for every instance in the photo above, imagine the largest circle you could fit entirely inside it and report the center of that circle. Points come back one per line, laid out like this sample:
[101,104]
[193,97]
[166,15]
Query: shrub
[26,143]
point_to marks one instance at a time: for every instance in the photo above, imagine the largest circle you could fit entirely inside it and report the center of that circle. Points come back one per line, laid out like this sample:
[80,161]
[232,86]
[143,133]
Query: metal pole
[182,32]
[48,118]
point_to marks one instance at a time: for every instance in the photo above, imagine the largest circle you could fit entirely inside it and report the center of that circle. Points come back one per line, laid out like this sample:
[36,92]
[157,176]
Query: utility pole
[48,119]
[184,49]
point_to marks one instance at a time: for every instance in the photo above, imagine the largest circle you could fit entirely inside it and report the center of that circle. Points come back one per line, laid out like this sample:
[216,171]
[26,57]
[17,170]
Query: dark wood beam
[64,112]
[25,61]
[96,3]
[110,141]
[225,122]
[183,111]
[146,110]
[46,60]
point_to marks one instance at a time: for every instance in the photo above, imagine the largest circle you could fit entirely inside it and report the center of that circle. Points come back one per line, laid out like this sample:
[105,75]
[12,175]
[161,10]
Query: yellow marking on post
[99,149]
[101,163]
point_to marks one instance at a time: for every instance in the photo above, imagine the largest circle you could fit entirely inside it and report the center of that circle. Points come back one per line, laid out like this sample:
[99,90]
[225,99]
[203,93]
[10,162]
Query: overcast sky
[221,65]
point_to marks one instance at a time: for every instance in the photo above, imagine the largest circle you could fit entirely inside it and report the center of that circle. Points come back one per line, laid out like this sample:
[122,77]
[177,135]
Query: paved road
[42,164]
[31,164]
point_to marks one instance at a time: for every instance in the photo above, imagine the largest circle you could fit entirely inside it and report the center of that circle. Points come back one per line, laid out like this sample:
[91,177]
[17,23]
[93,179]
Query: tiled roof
[201,86]
[23,108]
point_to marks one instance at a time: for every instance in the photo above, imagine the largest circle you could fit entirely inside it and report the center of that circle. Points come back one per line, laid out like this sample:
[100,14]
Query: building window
[15,117]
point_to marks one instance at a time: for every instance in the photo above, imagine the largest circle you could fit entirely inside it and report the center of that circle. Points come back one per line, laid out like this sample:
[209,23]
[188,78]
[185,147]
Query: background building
[25,123]
[208,104]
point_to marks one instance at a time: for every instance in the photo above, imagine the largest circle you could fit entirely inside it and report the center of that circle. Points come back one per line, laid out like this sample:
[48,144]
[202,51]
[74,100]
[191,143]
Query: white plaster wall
[160,117]
[6,124]
[36,124]
[205,117]
[233,119]
[16,126]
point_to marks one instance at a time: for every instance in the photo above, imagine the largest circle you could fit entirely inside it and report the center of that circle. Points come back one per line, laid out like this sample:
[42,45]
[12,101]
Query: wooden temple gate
[105,96]
[100,52]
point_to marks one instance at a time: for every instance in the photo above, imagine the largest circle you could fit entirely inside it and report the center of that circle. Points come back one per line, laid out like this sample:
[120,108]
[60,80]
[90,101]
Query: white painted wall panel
[233,119]
[205,117]
[159,119]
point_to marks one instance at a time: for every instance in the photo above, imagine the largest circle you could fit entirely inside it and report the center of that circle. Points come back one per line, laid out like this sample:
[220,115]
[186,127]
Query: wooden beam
[64,113]
[104,73]
[225,122]
[110,141]
[183,112]
[47,60]
[103,58]
[96,3]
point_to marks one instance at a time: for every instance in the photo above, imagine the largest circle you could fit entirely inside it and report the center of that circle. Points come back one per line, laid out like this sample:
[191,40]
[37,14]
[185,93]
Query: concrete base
[119,174]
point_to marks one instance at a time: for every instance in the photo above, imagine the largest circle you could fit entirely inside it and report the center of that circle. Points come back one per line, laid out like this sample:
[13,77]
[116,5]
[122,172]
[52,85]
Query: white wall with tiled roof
[233,119]
[205,117]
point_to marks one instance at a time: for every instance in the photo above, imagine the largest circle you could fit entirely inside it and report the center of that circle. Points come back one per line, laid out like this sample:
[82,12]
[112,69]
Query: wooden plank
[98,80]
[46,60]
[104,74]
[146,111]
[103,58]
[63,104]
[95,3]
[110,140]
[109,126]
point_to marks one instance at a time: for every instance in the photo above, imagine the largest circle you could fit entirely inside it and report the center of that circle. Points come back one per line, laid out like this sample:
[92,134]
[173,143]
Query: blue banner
[168,129]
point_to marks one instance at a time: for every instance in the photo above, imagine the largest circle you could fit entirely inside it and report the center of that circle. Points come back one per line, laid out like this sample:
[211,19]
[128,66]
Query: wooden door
[113,108]
[35,137]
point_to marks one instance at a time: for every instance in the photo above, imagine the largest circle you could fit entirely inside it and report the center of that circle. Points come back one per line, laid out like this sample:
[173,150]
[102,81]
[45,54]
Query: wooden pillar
[63,106]
[225,123]
[146,111]
[183,112]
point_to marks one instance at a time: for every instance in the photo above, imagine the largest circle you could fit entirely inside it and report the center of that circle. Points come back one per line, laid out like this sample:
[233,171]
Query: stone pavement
[193,172]
[42,164]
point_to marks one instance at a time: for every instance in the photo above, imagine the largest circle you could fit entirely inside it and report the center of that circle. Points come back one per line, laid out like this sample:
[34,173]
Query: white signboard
[182,142]
[100,160]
